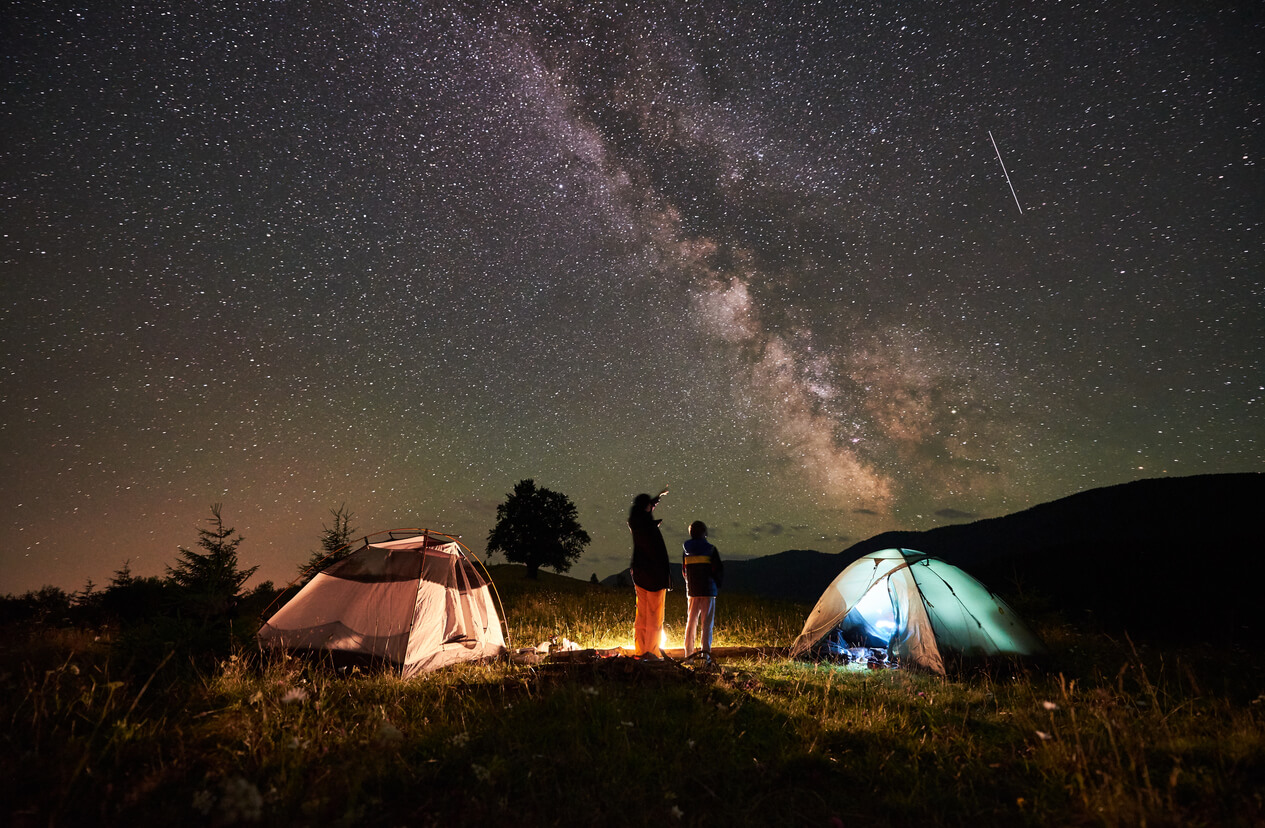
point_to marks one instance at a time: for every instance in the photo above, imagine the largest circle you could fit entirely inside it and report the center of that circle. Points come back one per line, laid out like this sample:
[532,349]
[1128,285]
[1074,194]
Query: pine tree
[123,577]
[129,599]
[335,544]
[212,573]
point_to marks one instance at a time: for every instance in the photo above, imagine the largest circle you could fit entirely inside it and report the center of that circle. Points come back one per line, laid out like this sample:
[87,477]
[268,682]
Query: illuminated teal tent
[920,608]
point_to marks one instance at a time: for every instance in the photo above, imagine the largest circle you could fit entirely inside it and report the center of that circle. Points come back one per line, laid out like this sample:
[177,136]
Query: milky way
[402,256]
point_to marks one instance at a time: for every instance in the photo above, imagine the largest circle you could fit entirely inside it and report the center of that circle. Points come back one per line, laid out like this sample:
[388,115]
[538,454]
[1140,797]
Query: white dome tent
[413,599]
[919,608]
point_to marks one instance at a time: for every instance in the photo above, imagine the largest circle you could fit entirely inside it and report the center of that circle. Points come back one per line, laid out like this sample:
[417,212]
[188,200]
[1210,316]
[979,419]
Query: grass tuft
[1111,732]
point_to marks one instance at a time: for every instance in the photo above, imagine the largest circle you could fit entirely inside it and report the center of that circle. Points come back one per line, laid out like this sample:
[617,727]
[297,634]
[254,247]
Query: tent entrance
[872,621]
[862,638]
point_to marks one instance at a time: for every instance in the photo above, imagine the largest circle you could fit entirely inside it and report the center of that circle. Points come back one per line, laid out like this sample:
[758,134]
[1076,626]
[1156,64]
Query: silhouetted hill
[1167,554]
[795,575]
[1161,513]
[624,579]
[787,576]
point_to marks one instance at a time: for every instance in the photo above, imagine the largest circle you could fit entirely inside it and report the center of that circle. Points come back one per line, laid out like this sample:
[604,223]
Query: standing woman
[649,573]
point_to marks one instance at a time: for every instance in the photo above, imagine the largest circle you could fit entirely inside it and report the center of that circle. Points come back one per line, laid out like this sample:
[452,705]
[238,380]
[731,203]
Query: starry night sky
[400,256]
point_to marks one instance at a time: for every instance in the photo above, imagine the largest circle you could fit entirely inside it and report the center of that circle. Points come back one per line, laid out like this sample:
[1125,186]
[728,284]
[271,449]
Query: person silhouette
[650,574]
[702,569]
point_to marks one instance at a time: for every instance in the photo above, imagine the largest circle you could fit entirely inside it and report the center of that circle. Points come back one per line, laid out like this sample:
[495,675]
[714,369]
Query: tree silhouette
[334,544]
[537,527]
[212,576]
[128,599]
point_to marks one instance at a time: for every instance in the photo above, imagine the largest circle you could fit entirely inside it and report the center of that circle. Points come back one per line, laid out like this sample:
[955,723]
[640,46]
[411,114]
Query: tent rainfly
[415,602]
[919,608]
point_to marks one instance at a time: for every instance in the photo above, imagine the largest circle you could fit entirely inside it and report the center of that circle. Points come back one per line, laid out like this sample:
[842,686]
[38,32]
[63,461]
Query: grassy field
[1107,733]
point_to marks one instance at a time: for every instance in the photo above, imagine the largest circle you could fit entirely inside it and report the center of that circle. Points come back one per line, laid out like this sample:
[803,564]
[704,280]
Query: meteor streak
[1003,171]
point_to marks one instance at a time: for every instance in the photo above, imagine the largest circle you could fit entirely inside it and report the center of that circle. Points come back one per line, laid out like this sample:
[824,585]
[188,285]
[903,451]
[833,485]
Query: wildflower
[481,773]
[1049,705]
[241,802]
[203,801]
[677,812]
[1043,736]
[460,740]
[295,695]
[389,733]
[590,690]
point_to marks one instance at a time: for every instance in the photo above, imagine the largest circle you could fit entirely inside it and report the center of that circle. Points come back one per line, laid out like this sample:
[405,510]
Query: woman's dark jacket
[650,553]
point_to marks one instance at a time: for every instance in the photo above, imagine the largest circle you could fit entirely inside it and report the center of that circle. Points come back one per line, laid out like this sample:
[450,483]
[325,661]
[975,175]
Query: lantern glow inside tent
[918,608]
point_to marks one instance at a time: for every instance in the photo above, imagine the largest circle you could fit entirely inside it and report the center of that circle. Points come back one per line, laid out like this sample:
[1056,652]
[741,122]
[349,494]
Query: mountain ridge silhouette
[1171,555]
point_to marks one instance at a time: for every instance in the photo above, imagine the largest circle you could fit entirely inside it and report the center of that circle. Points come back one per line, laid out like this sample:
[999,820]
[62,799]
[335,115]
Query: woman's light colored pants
[649,627]
[700,619]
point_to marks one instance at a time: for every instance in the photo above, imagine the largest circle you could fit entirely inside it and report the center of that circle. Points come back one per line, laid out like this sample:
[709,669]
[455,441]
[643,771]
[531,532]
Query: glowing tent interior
[413,599]
[918,607]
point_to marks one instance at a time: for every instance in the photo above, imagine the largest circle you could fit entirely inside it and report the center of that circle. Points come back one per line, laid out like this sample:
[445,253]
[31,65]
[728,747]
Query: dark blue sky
[401,257]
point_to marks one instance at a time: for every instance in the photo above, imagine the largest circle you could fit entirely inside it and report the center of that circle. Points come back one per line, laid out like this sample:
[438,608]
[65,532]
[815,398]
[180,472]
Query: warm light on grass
[602,618]
[1114,736]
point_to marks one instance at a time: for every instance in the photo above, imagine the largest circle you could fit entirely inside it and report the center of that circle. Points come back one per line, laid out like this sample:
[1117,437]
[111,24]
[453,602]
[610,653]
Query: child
[702,569]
